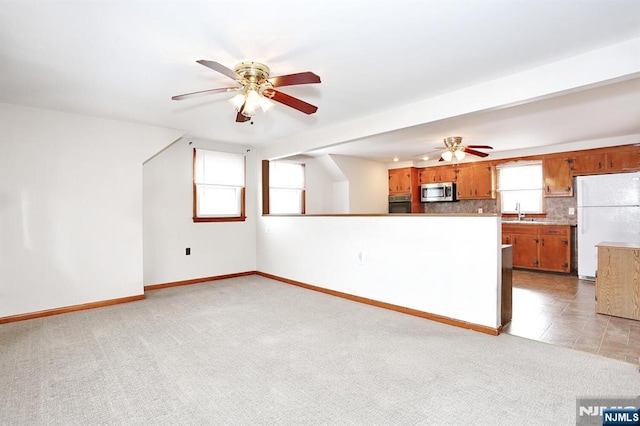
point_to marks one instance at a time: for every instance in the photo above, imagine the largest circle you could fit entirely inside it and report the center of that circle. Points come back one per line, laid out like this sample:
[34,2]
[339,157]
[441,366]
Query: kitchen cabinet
[606,160]
[404,181]
[540,247]
[558,180]
[555,251]
[617,280]
[400,181]
[475,181]
[436,174]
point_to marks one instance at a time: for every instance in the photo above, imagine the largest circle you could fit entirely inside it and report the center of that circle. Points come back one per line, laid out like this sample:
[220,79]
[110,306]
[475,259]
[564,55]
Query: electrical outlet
[572,211]
[187,251]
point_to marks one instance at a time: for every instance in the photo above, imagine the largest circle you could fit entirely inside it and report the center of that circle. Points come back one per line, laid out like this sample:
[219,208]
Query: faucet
[520,214]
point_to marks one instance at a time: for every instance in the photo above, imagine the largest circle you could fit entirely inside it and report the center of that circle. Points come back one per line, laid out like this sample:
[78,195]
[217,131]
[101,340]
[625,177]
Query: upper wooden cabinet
[558,181]
[400,181]
[618,159]
[475,181]
[436,174]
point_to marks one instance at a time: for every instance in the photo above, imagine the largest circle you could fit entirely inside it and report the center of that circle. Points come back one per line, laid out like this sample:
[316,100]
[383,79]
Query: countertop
[538,222]
[634,246]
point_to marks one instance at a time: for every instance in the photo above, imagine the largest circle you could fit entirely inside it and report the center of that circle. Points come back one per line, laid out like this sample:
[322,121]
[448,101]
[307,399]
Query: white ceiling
[125,59]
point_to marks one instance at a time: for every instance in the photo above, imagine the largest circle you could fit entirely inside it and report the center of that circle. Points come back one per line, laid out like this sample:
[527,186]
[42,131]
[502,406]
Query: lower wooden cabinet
[541,247]
[617,280]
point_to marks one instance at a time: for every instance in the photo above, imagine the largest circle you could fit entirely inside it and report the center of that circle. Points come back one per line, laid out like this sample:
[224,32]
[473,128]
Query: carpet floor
[255,351]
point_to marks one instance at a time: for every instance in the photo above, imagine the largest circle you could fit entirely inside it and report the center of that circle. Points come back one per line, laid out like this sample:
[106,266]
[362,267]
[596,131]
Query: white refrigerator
[608,210]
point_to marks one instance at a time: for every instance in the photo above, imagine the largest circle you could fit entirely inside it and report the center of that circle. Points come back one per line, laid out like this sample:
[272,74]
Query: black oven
[399,203]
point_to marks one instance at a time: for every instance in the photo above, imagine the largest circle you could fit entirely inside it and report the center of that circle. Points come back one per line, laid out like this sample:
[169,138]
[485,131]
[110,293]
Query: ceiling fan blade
[203,92]
[441,159]
[220,68]
[241,118]
[295,103]
[480,146]
[474,152]
[293,79]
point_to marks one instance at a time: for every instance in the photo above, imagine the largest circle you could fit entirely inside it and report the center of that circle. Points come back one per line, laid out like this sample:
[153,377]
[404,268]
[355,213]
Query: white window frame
[532,187]
[202,181]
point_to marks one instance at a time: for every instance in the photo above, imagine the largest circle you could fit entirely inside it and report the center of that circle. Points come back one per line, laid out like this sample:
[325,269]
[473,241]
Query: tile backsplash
[557,208]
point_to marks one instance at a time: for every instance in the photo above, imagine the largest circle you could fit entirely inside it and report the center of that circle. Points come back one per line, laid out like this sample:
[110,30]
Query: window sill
[219,219]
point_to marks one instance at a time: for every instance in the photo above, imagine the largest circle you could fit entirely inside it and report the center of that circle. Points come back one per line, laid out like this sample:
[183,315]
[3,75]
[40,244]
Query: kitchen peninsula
[443,267]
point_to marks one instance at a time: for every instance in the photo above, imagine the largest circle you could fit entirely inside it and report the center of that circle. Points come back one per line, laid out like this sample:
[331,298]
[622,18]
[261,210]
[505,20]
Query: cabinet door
[623,160]
[558,181]
[405,181]
[426,175]
[394,181]
[587,164]
[483,181]
[445,174]
[525,250]
[555,253]
[465,186]
[506,238]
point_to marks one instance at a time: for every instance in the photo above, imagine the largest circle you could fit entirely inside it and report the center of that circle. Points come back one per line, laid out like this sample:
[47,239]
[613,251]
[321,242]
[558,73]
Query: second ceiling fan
[256,89]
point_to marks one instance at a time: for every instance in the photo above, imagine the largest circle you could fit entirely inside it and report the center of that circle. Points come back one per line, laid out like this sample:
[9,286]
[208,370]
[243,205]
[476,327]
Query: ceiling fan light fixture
[237,101]
[266,104]
[459,154]
[447,156]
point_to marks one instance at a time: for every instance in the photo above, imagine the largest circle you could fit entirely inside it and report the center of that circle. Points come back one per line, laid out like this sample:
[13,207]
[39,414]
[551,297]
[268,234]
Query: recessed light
[425,158]
[396,159]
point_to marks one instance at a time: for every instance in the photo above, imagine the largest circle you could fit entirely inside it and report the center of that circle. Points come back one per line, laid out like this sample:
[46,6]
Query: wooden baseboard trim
[409,311]
[197,280]
[73,308]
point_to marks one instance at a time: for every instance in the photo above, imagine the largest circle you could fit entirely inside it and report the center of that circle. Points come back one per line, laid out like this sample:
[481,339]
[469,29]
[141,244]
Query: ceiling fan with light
[256,90]
[453,148]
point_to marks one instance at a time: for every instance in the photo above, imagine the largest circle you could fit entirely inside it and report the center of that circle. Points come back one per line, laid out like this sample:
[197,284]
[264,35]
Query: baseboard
[73,308]
[397,308]
[197,280]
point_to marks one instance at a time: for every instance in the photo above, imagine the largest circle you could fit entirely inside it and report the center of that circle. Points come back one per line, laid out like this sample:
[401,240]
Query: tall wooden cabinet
[404,181]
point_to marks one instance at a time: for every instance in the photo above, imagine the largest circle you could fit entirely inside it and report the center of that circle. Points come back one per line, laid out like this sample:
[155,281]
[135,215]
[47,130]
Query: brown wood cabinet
[558,180]
[475,181]
[541,247]
[436,174]
[400,181]
[404,181]
[617,280]
[606,160]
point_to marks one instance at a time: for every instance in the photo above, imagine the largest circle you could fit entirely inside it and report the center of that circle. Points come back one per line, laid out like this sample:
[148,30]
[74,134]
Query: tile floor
[560,310]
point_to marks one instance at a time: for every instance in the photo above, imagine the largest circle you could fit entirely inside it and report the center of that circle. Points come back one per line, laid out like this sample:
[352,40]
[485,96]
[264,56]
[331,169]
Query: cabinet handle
[599,164]
[566,242]
[568,189]
[611,164]
[543,242]
[547,188]
[536,240]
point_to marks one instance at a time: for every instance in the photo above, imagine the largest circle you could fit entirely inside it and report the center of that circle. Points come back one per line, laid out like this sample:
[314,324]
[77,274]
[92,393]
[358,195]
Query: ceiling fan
[256,89]
[453,148]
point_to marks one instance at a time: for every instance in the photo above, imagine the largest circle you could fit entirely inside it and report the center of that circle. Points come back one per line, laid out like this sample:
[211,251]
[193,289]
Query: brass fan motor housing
[452,142]
[254,72]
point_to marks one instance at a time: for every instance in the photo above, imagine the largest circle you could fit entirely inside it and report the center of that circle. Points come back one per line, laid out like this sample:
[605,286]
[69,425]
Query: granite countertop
[538,222]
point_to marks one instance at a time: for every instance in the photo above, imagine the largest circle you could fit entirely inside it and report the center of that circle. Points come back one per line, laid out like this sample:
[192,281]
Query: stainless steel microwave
[441,191]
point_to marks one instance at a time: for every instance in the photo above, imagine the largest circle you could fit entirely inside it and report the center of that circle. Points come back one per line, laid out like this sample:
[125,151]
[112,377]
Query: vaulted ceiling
[124,60]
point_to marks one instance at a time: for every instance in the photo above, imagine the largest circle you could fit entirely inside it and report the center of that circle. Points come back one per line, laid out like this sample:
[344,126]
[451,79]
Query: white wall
[217,248]
[368,184]
[70,207]
[445,265]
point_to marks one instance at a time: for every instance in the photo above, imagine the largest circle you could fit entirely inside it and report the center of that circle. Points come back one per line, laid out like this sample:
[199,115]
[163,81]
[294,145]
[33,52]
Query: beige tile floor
[560,310]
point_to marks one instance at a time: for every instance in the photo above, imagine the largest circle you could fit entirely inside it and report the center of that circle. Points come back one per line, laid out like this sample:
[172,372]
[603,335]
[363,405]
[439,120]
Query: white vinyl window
[219,183]
[286,188]
[520,184]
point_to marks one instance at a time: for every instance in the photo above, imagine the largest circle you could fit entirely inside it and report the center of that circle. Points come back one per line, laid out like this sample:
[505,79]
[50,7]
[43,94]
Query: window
[218,186]
[520,183]
[286,188]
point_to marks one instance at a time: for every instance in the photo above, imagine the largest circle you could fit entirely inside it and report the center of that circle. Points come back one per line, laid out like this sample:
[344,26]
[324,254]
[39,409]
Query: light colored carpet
[255,351]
